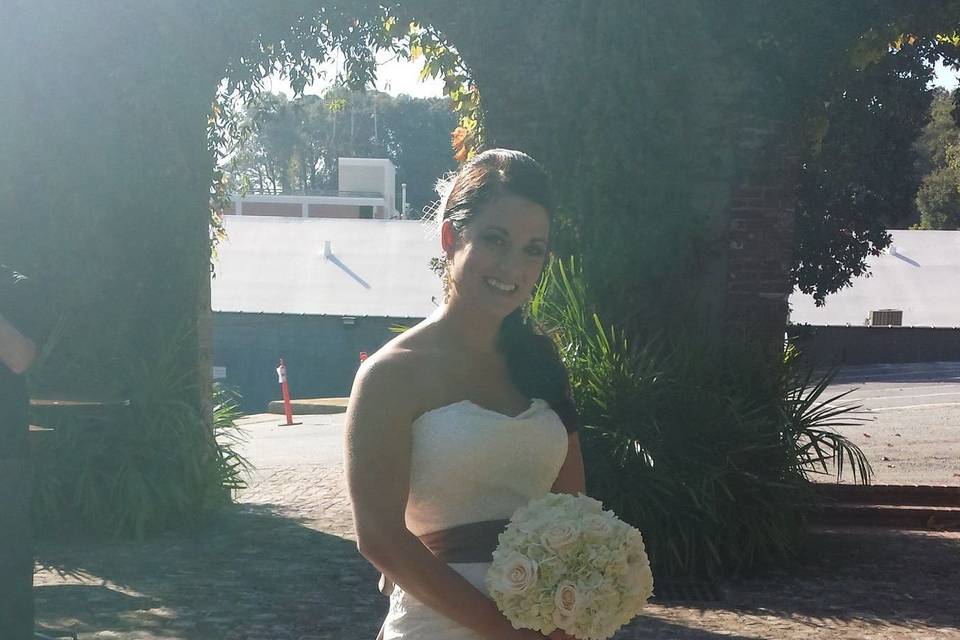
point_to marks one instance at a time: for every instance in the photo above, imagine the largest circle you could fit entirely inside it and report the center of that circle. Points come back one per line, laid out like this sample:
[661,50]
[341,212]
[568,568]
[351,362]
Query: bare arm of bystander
[17,352]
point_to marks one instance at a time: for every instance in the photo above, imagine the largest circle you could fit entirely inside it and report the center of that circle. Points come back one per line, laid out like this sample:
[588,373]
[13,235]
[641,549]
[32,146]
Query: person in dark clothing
[17,353]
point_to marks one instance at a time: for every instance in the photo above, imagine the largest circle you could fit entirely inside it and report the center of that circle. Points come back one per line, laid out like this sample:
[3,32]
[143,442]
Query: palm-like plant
[157,464]
[811,421]
[705,447]
[232,467]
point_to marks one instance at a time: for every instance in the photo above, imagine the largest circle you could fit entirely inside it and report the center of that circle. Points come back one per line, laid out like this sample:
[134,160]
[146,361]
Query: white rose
[596,527]
[559,535]
[519,573]
[565,598]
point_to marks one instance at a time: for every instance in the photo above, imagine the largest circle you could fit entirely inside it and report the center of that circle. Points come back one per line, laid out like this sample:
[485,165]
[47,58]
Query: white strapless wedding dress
[471,464]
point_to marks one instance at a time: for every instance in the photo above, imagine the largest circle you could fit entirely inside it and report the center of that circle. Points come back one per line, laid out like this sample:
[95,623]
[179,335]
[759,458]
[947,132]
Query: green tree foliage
[293,144]
[938,199]
[418,139]
[861,173]
[939,133]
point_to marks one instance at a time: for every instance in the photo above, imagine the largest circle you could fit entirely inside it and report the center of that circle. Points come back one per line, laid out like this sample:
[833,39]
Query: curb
[916,507]
[311,406]
[891,494]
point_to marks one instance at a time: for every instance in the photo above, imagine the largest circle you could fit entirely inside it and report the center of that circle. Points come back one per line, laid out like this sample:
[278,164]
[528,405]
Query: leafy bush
[231,465]
[133,470]
[707,448]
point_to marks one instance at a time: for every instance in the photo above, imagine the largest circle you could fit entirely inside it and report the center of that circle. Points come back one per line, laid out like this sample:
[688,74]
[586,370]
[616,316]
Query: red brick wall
[760,237]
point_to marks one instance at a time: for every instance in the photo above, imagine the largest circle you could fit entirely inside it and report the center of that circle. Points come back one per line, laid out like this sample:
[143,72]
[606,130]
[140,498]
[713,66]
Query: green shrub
[707,448]
[156,464]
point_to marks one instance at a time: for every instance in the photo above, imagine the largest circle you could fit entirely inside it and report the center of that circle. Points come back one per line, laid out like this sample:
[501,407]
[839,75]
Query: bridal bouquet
[565,563]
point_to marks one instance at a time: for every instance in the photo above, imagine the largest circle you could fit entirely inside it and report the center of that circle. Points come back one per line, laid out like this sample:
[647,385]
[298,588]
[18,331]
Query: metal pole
[285,390]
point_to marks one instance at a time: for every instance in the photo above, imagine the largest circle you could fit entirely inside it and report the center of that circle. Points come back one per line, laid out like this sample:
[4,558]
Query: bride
[465,417]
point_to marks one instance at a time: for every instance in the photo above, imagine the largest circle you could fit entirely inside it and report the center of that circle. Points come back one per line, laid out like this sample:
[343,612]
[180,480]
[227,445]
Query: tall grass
[706,447]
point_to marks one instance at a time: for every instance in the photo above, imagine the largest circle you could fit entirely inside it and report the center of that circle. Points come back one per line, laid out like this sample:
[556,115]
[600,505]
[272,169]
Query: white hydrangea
[565,563]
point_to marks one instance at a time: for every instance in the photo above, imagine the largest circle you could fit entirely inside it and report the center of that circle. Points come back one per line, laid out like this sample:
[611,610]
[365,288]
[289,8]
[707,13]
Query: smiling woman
[465,417]
[495,234]
[506,250]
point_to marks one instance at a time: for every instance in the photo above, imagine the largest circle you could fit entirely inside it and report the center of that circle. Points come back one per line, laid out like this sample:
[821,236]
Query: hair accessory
[433,212]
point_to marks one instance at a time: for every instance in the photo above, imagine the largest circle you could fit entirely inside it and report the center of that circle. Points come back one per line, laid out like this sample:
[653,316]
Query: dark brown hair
[534,364]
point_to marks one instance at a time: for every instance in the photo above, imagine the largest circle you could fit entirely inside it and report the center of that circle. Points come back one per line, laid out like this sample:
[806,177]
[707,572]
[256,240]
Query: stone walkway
[281,565]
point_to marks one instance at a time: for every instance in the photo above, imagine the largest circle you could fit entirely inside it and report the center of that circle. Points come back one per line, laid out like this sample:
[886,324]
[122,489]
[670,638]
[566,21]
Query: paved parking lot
[909,425]
[911,420]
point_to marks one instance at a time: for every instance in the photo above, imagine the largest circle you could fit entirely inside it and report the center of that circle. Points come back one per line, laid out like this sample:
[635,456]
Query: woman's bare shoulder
[413,348]
[398,374]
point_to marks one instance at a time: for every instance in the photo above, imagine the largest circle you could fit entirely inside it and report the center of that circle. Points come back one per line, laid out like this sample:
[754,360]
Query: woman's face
[497,261]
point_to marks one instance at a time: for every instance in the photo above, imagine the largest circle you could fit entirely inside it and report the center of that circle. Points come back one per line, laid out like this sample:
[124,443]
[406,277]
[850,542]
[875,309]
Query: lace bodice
[470,464]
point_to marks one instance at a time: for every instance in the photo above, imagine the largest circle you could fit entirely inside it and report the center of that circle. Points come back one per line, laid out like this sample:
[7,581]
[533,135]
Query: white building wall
[918,274]
[374,175]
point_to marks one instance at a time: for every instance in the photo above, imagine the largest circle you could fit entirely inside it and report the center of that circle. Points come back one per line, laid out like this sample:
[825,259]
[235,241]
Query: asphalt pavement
[908,425]
[911,420]
[317,440]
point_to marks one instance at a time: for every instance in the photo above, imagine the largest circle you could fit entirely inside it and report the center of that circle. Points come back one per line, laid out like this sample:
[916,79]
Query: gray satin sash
[472,542]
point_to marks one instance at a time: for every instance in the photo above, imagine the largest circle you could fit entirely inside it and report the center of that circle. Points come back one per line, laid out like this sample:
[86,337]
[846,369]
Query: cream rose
[559,535]
[565,600]
[519,574]
[596,527]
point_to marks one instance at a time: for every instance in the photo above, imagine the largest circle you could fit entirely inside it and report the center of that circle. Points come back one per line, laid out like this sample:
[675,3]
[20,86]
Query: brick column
[760,236]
